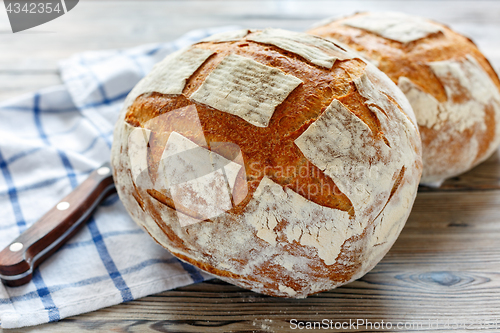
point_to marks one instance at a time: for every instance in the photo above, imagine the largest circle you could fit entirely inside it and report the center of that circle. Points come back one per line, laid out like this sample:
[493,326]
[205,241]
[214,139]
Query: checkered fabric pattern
[50,141]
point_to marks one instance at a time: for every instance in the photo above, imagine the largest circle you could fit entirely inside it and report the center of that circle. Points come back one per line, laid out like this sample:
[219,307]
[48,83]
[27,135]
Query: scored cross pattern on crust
[285,158]
[322,188]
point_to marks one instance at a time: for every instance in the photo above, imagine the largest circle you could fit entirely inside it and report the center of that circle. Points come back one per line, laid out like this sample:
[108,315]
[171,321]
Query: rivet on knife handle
[26,252]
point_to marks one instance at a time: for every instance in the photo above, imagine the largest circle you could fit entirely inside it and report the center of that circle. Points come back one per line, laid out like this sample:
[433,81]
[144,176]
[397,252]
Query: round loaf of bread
[277,161]
[451,86]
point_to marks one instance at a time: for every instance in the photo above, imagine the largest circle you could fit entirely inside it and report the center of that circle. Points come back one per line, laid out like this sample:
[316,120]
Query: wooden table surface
[443,273]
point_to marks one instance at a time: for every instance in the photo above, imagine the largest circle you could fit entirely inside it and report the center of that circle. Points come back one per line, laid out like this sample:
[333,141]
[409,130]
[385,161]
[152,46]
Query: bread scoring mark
[184,119]
[185,215]
[398,179]
[198,183]
[391,220]
[397,183]
[245,88]
[343,146]
[314,49]
[469,91]
[394,26]
[322,228]
[392,95]
[143,211]
[377,102]
[138,142]
[465,80]
[197,179]
[227,36]
[137,150]
[136,194]
[170,75]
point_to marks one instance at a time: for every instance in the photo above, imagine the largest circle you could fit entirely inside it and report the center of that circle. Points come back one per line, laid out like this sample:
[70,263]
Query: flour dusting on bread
[246,88]
[395,26]
[316,50]
[170,75]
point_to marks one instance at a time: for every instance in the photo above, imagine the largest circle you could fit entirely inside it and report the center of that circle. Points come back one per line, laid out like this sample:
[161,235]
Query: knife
[44,237]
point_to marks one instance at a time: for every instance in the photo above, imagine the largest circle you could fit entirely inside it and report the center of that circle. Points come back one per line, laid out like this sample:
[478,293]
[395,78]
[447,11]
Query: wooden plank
[444,269]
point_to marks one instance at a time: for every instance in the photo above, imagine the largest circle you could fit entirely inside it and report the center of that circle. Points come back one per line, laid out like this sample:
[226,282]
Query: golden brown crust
[411,60]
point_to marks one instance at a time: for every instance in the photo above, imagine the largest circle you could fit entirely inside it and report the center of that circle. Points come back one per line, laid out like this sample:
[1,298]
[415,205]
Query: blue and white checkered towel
[50,141]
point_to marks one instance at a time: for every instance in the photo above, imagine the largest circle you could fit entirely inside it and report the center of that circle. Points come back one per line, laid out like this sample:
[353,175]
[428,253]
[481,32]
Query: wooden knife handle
[26,252]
